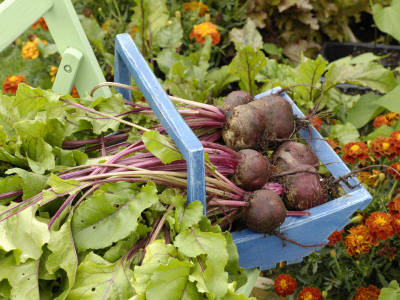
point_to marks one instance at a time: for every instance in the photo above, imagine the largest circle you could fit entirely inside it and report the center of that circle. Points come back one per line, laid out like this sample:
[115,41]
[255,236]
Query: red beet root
[291,154]
[253,170]
[244,128]
[236,98]
[265,212]
[304,189]
[279,119]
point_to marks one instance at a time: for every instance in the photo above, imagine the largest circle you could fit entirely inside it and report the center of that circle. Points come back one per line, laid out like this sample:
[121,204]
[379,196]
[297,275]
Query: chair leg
[67,71]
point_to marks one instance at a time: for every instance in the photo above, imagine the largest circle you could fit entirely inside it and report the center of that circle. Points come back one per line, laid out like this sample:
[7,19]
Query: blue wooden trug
[264,251]
[129,61]
[255,250]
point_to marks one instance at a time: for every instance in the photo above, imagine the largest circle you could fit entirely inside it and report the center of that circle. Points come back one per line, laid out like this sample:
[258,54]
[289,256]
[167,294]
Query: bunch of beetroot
[266,125]
[239,137]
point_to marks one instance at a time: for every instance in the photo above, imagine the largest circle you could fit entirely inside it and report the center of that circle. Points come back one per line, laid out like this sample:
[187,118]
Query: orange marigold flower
[42,23]
[392,116]
[309,293]
[394,206]
[30,50]
[335,237]
[10,84]
[380,225]
[133,31]
[284,285]
[381,120]
[382,146]
[388,251]
[358,240]
[396,171]
[334,145]
[396,223]
[386,119]
[203,29]
[395,136]
[369,293]
[355,150]
[316,122]
[74,92]
[196,6]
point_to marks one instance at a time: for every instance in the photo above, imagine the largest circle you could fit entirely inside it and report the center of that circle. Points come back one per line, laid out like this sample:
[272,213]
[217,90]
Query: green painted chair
[78,65]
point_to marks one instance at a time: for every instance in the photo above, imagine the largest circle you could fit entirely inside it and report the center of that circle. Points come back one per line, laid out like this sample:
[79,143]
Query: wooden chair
[78,65]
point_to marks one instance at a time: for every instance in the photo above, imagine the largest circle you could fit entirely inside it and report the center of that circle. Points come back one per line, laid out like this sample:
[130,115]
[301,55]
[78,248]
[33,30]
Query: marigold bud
[382,177]
[333,253]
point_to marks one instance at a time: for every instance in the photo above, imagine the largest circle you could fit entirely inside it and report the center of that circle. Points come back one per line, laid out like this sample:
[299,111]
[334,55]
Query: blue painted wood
[264,251]
[129,58]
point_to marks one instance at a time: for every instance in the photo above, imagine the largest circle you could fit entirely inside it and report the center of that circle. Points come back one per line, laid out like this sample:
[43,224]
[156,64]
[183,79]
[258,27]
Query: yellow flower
[203,29]
[53,72]
[30,50]
[196,6]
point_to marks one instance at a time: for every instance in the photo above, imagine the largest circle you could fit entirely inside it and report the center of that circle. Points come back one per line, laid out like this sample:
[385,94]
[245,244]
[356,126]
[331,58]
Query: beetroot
[304,188]
[291,154]
[244,128]
[236,98]
[279,119]
[253,170]
[265,212]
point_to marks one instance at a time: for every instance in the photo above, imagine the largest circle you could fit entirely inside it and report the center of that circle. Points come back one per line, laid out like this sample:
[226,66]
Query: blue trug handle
[129,61]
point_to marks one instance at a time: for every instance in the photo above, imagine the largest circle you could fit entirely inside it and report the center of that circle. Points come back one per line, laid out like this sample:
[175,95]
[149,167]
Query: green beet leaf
[170,36]
[160,146]
[23,234]
[32,183]
[105,218]
[97,278]
[63,255]
[231,295]
[9,184]
[246,65]
[247,36]
[188,215]
[235,272]
[112,105]
[120,248]
[60,185]
[21,277]
[171,282]
[193,242]
[309,72]
[156,253]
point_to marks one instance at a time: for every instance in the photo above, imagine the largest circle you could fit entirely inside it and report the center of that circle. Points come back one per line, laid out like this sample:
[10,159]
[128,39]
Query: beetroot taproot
[279,119]
[304,188]
[244,128]
[253,170]
[236,98]
[291,154]
[265,212]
